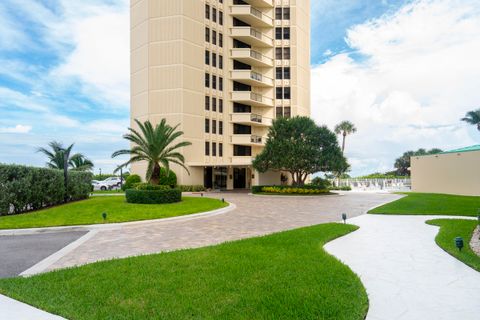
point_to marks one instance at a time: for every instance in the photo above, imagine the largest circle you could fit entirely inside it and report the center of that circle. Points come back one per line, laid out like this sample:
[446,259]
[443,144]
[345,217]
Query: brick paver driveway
[254,216]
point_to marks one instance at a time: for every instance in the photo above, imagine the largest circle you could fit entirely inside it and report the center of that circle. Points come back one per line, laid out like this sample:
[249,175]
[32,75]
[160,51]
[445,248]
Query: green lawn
[108,192]
[286,275]
[449,230]
[432,204]
[117,209]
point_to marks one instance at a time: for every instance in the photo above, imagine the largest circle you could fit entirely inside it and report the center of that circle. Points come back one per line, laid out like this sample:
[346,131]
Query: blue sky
[60,81]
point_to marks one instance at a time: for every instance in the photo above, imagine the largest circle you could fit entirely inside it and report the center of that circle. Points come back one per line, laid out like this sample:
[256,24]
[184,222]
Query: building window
[214,126]
[207,80]
[207,34]
[278,53]
[286,73]
[278,13]
[220,61]
[242,151]
[286,13]
[214,82]
[214,149]
[220,17]
[214,37]
[287,113]
[214,60]
[220,127]
[207,148]
[220,105]
[207,125]
[286,93]
[278,33]
[220,40]
[279,112]
[278,73]
[214,15]
[214,104]
[279,93]
[286,33]
[207,57]
[220,149]
[286,53]
[220,83]
[207,11]
[207,103]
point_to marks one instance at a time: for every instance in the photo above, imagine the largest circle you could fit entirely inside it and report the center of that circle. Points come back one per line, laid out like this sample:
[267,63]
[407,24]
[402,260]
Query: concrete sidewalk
[407,276]
[14,310]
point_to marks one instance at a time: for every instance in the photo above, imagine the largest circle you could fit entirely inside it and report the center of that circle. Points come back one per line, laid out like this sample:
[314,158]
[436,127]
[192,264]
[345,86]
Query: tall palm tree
[156,146]
[345,128]
[473,118]
[79,162]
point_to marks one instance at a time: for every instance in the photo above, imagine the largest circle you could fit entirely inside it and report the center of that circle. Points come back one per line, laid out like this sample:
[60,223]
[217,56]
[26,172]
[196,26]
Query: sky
[404,72]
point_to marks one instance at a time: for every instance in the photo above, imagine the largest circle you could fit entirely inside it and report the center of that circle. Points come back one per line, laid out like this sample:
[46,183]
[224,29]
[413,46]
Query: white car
[107,184]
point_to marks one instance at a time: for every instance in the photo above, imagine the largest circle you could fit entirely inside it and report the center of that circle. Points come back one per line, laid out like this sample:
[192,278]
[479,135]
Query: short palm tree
[345,128]
[473,118]
[155,145]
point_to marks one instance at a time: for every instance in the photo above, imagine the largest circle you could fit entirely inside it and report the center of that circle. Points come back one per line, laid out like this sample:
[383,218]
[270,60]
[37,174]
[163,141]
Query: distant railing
[256,139]
[256,118]
[374,184]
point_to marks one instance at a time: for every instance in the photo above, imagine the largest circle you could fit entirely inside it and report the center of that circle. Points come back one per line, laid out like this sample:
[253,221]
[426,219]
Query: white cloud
[410,78]
[17,129]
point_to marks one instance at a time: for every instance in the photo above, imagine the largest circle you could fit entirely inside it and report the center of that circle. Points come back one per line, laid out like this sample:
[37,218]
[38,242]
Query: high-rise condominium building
[222,70]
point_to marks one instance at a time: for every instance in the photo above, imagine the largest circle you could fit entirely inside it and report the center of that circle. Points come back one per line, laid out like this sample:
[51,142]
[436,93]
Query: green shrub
[344,188]
[321,183]
[130,181]
[306,189]
[148,186]
[193,188]
[153,196]
[168,180]
[25,188]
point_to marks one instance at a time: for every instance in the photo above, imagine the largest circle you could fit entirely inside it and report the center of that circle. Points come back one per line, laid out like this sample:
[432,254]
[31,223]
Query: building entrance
[239,178]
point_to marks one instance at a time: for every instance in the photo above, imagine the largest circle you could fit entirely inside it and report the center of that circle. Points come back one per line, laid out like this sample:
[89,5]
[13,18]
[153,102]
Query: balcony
[251,119]
[251,16]
[252,36]
[251,78]
[260,3]
[251,57]
[251,98]
[241,161]
[248,140]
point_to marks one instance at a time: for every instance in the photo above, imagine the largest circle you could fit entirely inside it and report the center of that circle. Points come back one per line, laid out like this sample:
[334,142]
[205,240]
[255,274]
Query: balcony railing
[251,57]
[251,15]
[252,36]
[252,98]
[248,140]
[256,139]
[253,78]
[260,3]
[251,119]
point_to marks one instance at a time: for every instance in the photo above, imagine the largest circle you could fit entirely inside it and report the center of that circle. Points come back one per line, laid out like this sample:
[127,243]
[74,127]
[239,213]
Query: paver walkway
[407,276]
[254,216]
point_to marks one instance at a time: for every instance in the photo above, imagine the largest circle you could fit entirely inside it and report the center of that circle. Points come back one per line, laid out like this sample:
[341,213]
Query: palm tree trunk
[65,175]
[155,179]
[343,142]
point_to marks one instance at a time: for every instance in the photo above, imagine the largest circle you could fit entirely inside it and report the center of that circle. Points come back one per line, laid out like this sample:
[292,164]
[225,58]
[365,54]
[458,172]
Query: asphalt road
[19,253]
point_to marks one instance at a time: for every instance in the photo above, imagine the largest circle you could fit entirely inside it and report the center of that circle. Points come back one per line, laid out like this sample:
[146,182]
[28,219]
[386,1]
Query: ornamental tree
[300,147]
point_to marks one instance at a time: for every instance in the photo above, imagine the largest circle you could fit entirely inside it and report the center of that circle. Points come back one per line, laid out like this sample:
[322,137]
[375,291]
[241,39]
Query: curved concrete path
[254,216]
[407,276]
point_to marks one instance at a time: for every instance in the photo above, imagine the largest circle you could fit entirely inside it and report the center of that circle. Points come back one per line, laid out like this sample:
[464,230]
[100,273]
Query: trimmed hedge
[25,188]
[153,196]
[344,188]
[306,189]
[170,180]
[192,188]
[130,181]
[148,186]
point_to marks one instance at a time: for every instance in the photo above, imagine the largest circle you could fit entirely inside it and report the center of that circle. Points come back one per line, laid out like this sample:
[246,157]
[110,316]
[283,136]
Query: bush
[307,189]
[321,183]
[130,181]
[168,180]
[25,188]
[344,188]
[193,188]
[153,196]
[148,186]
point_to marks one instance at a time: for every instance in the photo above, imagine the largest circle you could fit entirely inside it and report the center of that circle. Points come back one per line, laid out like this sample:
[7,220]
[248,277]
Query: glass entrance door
[239,178]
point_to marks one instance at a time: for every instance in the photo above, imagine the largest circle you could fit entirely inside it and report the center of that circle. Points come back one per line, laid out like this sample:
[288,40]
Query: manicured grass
[282,276]
[108,192]
[431,204]
[293,194]
[117,209]
[449,230]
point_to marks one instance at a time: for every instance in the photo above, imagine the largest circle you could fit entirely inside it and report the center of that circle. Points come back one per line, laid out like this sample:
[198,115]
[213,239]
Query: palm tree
[155,146]
[473,118]
[345,128]
[79,162]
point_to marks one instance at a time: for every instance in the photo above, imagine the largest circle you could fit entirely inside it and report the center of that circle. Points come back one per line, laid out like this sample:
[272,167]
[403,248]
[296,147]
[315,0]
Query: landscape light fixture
[104,216]
[459,243]
[201,194]
[223,199]
[344,218]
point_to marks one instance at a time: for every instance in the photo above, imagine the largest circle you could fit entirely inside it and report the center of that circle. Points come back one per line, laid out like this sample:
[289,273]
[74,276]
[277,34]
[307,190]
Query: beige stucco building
[452,172]
[222,70]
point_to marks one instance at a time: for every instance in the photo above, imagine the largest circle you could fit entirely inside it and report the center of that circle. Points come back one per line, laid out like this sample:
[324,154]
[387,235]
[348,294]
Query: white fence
[374,184]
